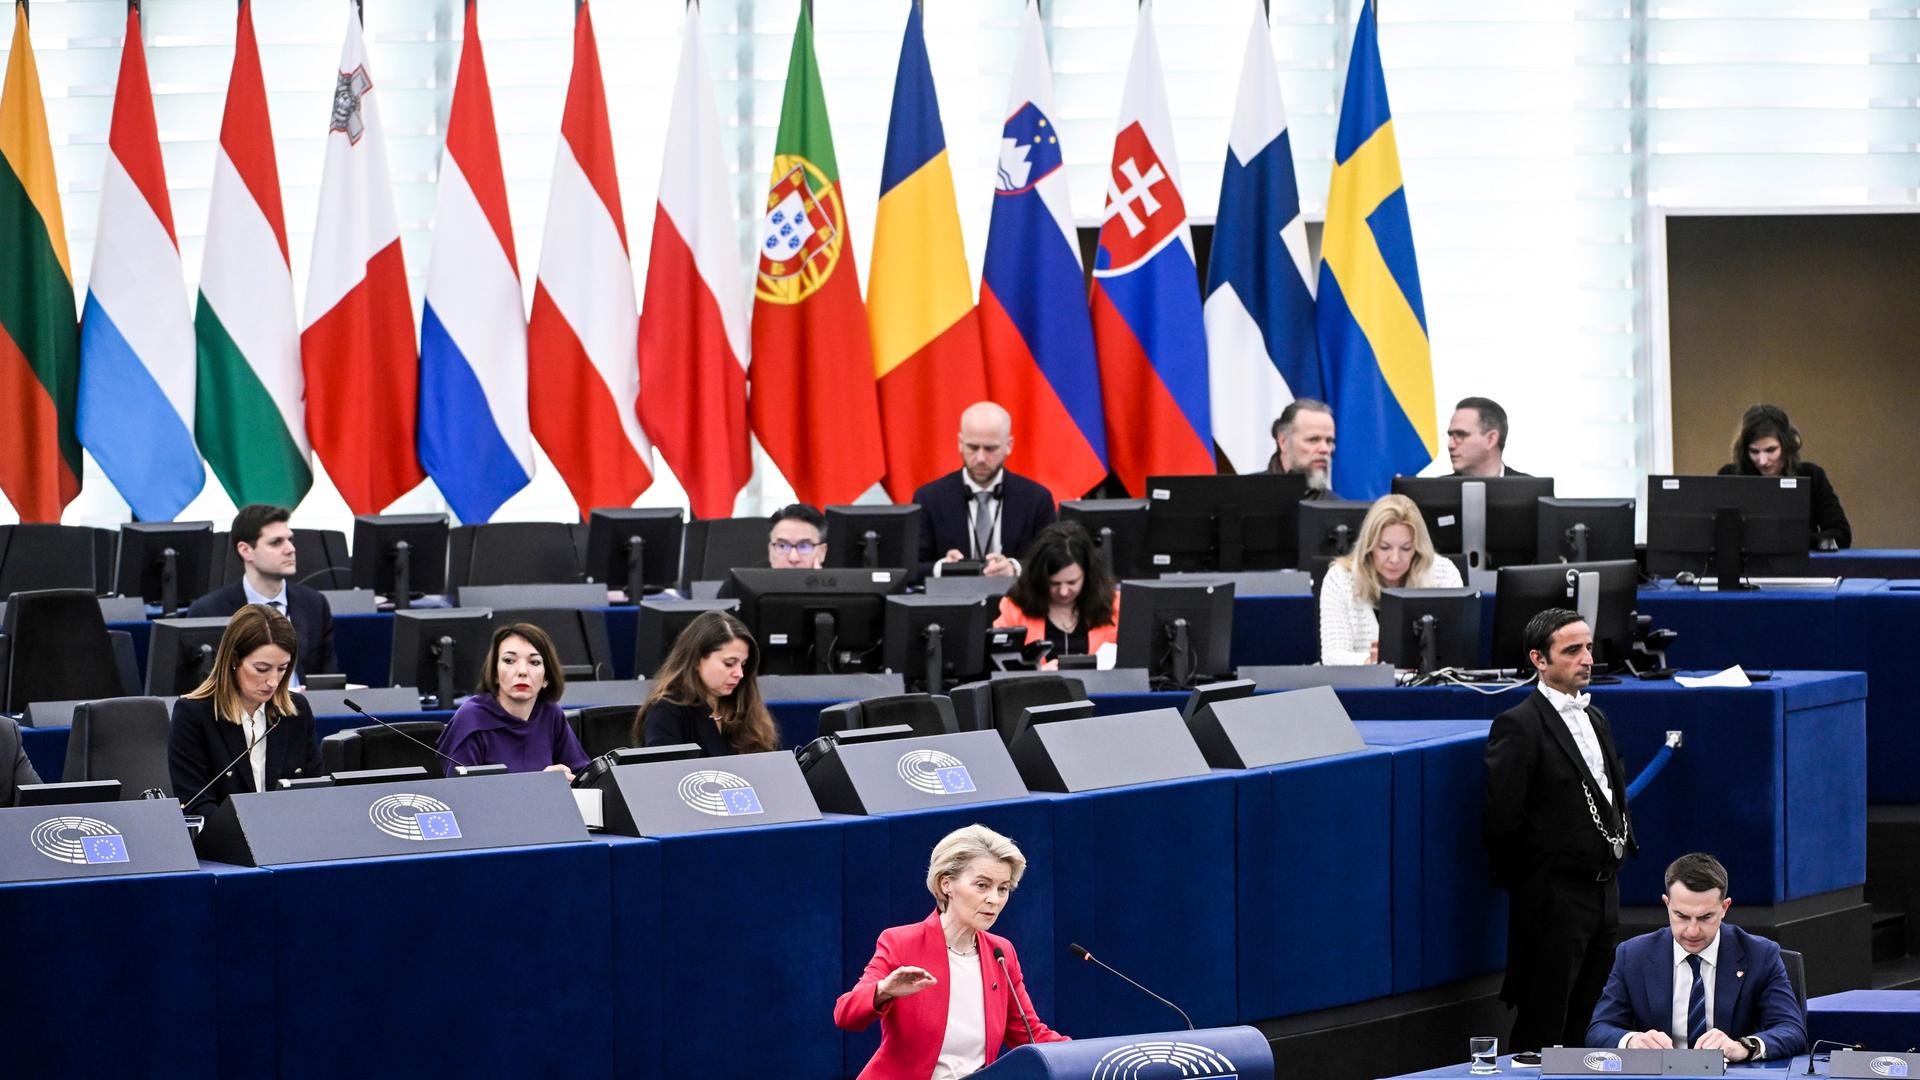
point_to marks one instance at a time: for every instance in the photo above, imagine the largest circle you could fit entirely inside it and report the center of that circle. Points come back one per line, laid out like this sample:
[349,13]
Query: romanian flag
[39,336]
[927,357]
[813,402]
[1374,355]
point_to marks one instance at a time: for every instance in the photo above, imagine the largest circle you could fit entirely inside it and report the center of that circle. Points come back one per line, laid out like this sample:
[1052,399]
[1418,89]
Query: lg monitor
[164,562]
[816,621]
[1728,526]
[1118,528]
[1225,523]
[1584,530]
[638,550]
[1430,629]
[1602,592]
[442,650]
[874,536]
[936,641]
[180,654]
[1180,632]
[400,555]
[659,625]
[1493,520]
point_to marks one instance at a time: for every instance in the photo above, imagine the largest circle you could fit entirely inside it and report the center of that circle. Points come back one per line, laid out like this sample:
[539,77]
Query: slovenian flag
[474,435]
[1033,312]
[1261,345]
[137,352]
[1146,292]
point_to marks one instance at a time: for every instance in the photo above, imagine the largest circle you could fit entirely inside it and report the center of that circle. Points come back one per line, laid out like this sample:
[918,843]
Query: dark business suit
[1564,904]
[1025,508]
[198,744]
[15,769]
[1828,519]
[308,611]
[1505,470]
[1751,993]
[669,723]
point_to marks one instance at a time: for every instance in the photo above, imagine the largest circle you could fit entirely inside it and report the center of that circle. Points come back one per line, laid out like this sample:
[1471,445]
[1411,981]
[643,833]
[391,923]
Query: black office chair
[40,556]
[512,553]
[579,636]
[604,728]
[926,714]
[59,649]
[375,747]
[1796,966]
[122,739]
[996,704]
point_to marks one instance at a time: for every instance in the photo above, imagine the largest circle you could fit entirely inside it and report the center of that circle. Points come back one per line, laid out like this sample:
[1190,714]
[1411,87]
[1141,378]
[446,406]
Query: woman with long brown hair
[707,691]
[243,706]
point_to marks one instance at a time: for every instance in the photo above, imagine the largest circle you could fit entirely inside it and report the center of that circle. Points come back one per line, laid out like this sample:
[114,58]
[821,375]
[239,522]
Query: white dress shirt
[277,602]
[1683,993]
[254,726]
[1348,628]
[1573,710]
[964,1050]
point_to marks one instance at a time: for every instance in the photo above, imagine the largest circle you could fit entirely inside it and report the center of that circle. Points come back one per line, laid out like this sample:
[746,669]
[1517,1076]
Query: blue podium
[1227,1053]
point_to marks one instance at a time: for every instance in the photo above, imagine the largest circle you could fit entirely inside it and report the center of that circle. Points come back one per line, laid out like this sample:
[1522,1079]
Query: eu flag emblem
[741,800]
[104,849]
[954,780]
[439,825]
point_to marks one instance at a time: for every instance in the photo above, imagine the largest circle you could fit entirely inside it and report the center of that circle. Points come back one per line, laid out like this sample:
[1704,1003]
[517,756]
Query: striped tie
[1696,1004]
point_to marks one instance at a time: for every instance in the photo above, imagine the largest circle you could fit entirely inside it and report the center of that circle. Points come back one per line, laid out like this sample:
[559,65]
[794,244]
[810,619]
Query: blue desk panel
[1876,1019]
[1884,622]
[1868,563]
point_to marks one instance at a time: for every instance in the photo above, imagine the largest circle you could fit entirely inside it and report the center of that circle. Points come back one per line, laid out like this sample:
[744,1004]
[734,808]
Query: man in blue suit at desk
[264,541]
[1702,983]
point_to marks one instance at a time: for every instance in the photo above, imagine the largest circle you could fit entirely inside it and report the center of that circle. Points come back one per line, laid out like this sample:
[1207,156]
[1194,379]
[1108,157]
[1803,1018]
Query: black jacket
[198,744]
[308,611]
[1828,520]
[1536,809]
[15,769]
[1025,508]
[669,723]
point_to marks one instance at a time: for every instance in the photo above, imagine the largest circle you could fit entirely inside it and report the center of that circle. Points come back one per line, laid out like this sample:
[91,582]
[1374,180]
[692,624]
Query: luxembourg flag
[1033,315]
[1146,293]
[1262,347]
[137,352]
[474,435]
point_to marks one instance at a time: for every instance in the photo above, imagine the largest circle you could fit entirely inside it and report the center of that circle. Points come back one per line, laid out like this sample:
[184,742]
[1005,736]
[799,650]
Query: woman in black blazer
[1769,445]
[243,711]
[707,692]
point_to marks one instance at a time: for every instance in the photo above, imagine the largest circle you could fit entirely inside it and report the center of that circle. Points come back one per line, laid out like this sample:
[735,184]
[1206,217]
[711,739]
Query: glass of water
[1483,1051]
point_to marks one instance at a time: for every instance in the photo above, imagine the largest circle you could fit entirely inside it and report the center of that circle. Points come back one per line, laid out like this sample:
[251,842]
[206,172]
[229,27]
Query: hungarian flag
[39,340]
[693,321]
[814,405]
[358,346]
[250,413]
[582,339]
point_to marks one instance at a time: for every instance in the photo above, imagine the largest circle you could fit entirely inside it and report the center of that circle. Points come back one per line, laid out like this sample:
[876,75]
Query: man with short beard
[1303,443]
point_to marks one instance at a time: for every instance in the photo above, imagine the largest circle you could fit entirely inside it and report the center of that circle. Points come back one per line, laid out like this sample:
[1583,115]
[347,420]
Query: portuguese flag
[813,402]
[39,333]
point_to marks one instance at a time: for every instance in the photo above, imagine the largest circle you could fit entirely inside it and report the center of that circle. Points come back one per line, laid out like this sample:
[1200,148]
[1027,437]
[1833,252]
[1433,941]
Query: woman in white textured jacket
[1394,551]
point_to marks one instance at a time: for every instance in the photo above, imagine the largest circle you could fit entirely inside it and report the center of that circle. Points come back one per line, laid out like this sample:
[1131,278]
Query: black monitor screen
[611,534]
[789,611]
[1584,530]
[962,625]
[1454,628]
[1512,519]
[1158,614]
[441,650]
[378,556]
[874,536]
[659,626]
[1118,528]
[143,564]
[1328,529]
[1766,518]
[180,654]
[1525,591]
[1226,523]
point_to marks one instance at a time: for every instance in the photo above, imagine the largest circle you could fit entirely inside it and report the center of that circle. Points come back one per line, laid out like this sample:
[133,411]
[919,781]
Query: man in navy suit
[981,511]
[1702,983]
[265,542]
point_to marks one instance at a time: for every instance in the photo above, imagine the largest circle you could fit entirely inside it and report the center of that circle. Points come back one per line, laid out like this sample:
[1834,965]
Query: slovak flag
[1147,324]
[1038,337]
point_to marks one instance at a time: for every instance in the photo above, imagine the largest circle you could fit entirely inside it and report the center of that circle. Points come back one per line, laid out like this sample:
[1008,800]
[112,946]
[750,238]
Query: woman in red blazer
[947,993]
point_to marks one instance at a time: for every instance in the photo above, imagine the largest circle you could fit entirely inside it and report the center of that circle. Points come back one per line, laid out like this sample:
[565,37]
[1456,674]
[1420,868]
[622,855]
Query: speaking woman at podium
[243,719]
[947,993]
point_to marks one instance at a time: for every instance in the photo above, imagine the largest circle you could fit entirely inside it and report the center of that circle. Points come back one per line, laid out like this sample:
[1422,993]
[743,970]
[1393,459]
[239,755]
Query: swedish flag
[1374,355]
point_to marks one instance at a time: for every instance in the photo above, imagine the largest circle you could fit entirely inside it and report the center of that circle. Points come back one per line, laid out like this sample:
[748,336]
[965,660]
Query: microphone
[1013,991]
[1085,955]
[1818,1043]
[237,759]
[459,768]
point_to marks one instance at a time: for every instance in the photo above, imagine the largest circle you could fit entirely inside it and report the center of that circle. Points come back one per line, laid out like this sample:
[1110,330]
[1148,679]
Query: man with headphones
[1769,445]
[982,511]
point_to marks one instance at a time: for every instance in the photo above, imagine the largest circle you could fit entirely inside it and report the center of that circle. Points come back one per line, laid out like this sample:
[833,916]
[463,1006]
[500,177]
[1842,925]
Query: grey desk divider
[1274,729]
[60,713]
[412,817]
[923,773]
[89,840]
[1252,582]
[380,700]
[587,695]
[1235,1053]
[1615,1061]
[1107,751]
[1301,676]
[1871,1064]
[969,587]
[1125,680]
[124,608]
[351,601]
[533,597]
[830,687]
[704,590]
[704,794]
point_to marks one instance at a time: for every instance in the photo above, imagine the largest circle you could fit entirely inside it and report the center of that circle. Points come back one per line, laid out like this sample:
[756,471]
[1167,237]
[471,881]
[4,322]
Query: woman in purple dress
[515,719]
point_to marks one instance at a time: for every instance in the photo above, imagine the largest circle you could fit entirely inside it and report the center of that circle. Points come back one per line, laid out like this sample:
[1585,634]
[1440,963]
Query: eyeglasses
[806,548]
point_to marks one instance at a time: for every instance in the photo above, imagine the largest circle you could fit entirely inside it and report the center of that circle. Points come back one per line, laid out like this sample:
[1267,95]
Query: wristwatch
[1752,1043]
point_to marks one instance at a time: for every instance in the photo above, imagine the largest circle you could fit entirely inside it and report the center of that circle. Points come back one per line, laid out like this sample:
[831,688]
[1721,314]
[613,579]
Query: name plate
[1614,1061]
[1274,729]
[1232,1053]
[89,840]
[412,817]
[915,774]
[1869,1065]
[703,794]
[1107,751]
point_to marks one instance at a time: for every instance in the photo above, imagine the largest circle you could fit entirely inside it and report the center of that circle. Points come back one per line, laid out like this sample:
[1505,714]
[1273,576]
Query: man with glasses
[1477,439]
[797,538]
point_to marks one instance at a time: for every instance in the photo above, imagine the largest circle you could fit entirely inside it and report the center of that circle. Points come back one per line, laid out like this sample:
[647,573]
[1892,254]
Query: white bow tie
[1579,701]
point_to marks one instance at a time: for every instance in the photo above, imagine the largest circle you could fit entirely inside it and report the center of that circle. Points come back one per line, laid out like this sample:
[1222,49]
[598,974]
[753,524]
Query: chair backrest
[926,714]
[1011,696]
[579,636]
[512,553]
[122,739]
[42,556]
[604,728]
[714,546]
[375,747]
[60,649]
[1796,966]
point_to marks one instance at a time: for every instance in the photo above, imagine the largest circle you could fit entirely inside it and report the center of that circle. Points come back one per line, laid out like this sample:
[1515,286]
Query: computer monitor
[76,791]
[1328,529]
[180,654]
[1179,631]
[714,546]
[1493,520]
[1228,523]
[936,641]
[659,625]
[1602,592]
[441,650]
[400,555]
[1429,629]
[613,535]
[1728,526]
[1118,528]
[875,536]
[1584,530]
[816,621]
[164,562]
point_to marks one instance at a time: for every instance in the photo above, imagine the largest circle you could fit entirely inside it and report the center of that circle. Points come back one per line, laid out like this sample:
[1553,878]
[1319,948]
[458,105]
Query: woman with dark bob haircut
[707,691]
[244,706]
[1768,444]
[515,719]
[1064,593]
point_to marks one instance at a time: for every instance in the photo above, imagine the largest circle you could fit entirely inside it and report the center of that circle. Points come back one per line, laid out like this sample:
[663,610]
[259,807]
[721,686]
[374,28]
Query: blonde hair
[1388,511]
[252,627]
[963,845]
